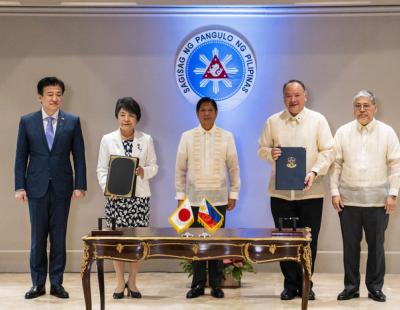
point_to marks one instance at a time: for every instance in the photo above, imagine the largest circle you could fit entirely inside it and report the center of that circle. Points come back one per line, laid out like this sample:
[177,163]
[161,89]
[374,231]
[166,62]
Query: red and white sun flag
[182,217]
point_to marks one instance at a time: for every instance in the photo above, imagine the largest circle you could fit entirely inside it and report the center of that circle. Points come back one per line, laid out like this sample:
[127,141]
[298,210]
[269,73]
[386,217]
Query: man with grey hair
[365,181]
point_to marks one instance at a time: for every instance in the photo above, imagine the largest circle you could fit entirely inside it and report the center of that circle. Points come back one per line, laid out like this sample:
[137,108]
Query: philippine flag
[182,217]
[209,216]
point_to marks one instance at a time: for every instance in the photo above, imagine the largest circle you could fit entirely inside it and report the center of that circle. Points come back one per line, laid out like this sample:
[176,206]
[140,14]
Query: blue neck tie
[49,132]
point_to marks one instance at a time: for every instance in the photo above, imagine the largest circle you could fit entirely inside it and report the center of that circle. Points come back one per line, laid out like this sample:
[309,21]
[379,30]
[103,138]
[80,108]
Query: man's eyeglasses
[362,106]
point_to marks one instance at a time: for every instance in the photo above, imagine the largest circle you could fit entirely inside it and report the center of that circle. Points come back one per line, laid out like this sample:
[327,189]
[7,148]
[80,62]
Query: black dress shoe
[217,292]
[288,294]
[311,294]
[133,294]
[58,291]
[347,294]
[377,296]
[195,292]
[120,295]
[35,291]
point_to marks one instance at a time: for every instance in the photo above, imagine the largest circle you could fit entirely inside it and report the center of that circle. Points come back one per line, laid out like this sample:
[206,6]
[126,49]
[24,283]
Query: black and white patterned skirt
[128,212]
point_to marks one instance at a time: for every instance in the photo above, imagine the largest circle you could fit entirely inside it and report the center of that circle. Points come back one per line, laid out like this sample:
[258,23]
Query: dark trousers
[215,267]
[374,221]
[309,212]
[49,217]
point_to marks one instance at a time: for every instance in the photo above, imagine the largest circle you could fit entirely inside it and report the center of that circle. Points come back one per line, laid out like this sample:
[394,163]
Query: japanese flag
[182,217]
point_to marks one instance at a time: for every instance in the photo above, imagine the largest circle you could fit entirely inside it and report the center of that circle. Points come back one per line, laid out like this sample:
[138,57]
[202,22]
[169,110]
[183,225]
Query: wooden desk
[255,245]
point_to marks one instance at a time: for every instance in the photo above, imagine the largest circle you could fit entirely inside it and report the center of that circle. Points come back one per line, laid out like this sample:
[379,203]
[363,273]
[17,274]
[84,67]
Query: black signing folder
[121,178]
[291,169]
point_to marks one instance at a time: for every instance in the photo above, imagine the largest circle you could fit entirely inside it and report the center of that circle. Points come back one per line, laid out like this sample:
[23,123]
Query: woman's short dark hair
[204,100]
[49,81]
[129,104]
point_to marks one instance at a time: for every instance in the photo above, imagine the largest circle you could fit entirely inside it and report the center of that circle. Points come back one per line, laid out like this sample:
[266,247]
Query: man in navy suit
[44,178]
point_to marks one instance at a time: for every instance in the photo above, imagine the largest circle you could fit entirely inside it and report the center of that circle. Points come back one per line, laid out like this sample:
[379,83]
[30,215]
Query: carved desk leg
[86,265]
[305,262]
[100,276]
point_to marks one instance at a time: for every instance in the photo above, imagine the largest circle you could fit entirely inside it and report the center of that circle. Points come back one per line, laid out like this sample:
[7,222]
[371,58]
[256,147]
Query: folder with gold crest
[291,169]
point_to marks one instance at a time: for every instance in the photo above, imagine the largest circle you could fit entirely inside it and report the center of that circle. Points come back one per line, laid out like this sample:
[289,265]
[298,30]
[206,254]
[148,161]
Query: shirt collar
[298,118]
[369,127]
[45,116]
[211,131]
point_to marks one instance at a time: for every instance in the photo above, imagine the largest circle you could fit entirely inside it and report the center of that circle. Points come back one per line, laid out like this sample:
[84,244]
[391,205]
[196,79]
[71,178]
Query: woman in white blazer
[128,212]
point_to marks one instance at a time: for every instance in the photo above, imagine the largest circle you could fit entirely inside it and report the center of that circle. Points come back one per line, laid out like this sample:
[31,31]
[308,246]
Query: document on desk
[291,169]
[121,178]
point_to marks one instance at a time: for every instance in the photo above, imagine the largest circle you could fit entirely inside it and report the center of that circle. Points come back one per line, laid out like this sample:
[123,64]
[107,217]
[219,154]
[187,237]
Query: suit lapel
[118,143]
[60,127]
[40,128]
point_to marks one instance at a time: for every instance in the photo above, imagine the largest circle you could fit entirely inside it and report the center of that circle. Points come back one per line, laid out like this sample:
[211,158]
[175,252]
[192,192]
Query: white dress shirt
[308,129]
[202,162]
[54,120]
[143,148]
[367,164]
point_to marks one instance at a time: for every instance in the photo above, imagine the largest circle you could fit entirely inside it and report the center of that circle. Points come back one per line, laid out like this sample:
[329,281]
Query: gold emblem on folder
[291,162]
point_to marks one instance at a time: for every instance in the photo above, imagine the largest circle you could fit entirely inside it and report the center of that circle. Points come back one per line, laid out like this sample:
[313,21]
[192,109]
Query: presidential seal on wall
[218,64]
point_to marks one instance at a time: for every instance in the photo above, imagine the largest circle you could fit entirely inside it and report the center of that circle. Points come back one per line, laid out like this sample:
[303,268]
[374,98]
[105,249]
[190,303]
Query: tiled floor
[167,291]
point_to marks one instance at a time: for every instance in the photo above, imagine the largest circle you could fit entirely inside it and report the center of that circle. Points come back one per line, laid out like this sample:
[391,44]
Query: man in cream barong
[298,126]
[206,154]
[365,181]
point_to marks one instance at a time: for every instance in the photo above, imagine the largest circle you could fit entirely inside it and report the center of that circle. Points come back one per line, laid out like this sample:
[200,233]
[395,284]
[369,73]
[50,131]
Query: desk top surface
[152,233]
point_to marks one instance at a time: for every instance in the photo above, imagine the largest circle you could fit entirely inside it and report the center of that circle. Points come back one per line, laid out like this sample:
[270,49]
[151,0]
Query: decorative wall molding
[233,10]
